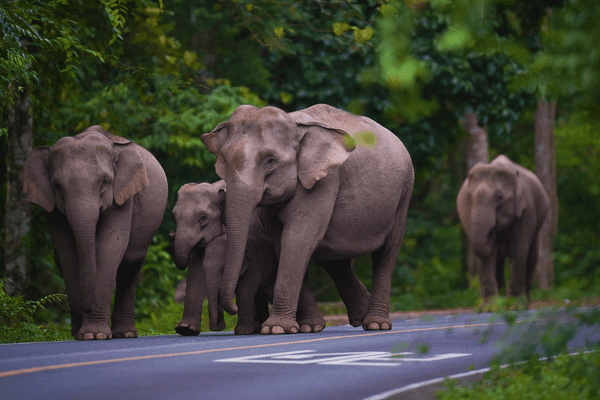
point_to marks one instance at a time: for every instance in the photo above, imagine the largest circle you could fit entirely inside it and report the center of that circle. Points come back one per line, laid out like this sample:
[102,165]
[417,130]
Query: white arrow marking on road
[359,358]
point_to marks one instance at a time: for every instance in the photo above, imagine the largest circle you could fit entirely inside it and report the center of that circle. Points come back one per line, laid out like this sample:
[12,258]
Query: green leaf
[340,27]
[279,32]
[363,35]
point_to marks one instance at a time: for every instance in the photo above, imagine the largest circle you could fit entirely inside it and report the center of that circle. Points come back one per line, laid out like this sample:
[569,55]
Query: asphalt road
[338,363]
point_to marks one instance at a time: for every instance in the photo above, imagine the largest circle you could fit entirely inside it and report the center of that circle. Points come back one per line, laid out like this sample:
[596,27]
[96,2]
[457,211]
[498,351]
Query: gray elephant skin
[106,197]
[333,185]
[199,244]
[502,207]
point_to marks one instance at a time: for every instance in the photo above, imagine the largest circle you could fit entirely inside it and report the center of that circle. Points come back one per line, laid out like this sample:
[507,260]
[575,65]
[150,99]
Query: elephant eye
[203,219]
[270,162]
[103,184]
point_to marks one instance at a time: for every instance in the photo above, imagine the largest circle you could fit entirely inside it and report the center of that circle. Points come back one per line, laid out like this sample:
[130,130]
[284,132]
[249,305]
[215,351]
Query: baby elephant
[502,207]
[105,197]
[199,243]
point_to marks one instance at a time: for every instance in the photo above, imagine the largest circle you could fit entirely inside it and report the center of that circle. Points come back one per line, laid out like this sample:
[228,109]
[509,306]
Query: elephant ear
[130,172]
[520,198]
[321,149]
[36,184]
[214,142]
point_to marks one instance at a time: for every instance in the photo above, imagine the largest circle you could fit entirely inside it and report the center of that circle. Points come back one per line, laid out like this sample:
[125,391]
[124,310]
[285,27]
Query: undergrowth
[17,319]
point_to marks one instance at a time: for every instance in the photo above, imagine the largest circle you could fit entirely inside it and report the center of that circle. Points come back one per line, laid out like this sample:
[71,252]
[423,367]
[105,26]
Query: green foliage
[17,319]
[576,377]
[558,375]
[432,85]
[577,251]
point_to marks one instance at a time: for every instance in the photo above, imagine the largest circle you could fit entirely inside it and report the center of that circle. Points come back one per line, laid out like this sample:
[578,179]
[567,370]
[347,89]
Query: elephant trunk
[83,220]
[182,250]
[483,234]
[241,202]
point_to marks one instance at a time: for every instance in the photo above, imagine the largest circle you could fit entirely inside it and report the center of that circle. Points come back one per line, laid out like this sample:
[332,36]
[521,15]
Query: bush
[17,319]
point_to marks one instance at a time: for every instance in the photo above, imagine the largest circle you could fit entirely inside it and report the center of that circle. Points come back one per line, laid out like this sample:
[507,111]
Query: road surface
[340,362]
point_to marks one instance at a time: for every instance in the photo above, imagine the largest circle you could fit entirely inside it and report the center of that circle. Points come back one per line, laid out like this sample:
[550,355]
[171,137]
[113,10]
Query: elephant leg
[353,292]
[290,275]
[532,259]
[500,262]
[488,285]
[112,238]
[261,308]
[246,293]
[308,316]
[65,256]
[384,263]
[123,316]
[518,274]
[194,297]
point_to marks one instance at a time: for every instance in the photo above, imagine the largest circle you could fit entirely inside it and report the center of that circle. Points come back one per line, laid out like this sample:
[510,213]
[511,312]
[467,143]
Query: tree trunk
[17,210]
[545,166]
[476,150]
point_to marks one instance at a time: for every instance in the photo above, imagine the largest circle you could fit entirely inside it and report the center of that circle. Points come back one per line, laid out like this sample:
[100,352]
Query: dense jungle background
[516,77]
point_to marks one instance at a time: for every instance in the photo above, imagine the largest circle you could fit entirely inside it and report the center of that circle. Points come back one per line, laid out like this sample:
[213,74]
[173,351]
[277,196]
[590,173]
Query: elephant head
[82,177]
[491,198]
[199,215]
[197,242]
[266,156]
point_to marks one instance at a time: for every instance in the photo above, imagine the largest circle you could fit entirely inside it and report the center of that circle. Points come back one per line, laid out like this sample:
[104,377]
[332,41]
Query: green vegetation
[539,366]
[17,319]
[575,377]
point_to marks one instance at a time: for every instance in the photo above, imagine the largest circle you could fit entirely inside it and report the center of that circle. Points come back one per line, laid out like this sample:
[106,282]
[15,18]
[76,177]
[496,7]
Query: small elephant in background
[106,197]
[502,207]
[199,243]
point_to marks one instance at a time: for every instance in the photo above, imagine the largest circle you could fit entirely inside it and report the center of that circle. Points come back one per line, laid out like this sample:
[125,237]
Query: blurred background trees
[435,72]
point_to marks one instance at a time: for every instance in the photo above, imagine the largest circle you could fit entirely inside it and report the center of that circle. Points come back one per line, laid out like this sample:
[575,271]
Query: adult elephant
[199,244]
[106,197]
[502,207]
[338,185]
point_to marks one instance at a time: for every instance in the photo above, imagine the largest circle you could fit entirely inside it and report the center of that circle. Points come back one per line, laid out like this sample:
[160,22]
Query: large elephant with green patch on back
[337,186]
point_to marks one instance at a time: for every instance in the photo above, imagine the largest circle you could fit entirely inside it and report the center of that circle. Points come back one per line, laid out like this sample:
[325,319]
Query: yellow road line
[258,346]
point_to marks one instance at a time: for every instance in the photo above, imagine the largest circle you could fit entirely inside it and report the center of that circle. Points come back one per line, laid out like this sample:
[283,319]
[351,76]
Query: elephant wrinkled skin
[199,243]
[502,207]
[337,185]
[106,197]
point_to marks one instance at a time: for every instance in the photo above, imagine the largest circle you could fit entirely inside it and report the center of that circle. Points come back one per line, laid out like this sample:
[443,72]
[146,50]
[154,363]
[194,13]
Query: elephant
[199,243]
[502,206]
[332,185]
[106,197]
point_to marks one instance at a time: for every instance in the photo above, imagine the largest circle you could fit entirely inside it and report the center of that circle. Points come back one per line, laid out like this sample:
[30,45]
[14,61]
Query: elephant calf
[199,243]
[106,197]
[502,207]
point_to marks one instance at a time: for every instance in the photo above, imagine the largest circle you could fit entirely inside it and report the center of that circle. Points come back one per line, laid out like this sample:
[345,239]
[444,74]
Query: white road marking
[358,358]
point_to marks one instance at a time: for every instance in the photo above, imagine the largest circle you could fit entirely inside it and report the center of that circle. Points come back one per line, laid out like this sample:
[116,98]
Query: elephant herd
[318,183]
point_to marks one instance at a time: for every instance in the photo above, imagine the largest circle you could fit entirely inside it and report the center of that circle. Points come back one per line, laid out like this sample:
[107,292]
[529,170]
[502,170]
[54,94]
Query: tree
[38,38]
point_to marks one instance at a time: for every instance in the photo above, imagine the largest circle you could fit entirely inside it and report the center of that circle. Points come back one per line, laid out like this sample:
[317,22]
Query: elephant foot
[377,324]
[246,329]
[312,323]
[358,310]
[93,334]
[125,335]
[279,325]
[186,329]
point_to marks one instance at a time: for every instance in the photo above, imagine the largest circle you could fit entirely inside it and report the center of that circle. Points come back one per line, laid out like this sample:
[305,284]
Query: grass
[564,377]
